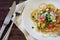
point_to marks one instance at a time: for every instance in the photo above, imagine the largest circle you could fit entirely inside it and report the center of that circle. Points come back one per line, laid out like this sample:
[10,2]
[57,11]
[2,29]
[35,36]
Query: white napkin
[19,19]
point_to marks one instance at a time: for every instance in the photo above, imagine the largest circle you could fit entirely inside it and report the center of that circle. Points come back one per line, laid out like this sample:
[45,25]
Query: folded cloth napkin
[19,19]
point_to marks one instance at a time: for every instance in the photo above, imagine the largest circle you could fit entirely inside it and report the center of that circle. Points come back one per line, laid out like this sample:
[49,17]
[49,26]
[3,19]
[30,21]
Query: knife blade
[8,18]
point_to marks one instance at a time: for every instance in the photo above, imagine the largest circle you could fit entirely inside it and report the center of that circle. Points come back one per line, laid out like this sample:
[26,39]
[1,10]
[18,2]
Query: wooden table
[16,34]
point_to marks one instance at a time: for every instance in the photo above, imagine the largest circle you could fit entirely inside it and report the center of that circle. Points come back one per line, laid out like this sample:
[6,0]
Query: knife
[8,18]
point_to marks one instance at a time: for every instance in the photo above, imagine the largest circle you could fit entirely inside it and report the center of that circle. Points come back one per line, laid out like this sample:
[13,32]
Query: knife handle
[8,32]
[2,29]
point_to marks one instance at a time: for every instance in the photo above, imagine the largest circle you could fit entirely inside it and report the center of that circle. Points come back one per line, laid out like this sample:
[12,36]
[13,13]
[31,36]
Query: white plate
[27,22]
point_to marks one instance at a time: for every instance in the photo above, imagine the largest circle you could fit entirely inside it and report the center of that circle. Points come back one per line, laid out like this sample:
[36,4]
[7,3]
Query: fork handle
[8,32]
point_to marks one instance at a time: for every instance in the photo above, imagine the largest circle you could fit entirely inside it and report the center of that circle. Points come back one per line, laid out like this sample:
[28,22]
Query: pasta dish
[47,19]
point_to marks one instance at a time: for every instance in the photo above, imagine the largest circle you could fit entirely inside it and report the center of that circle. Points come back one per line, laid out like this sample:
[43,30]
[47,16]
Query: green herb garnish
[48,17]
[32,27]
[32,16]
[43,26]
[58,9]
[39,26]
[36,21]
[41,11]
[49,7]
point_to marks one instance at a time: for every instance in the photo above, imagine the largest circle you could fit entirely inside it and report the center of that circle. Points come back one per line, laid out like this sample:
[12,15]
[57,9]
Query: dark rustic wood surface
[16,34]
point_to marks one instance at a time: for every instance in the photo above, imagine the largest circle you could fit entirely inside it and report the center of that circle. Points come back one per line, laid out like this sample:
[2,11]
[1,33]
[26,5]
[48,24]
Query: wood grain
[16,34]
